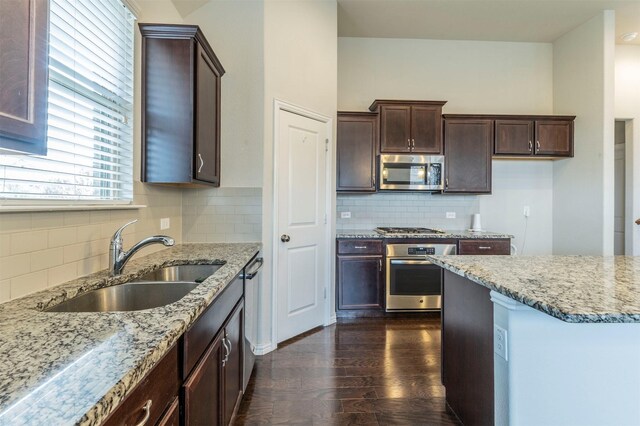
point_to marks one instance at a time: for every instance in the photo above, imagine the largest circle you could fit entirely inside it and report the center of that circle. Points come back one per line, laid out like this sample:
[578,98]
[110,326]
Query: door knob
[285,238]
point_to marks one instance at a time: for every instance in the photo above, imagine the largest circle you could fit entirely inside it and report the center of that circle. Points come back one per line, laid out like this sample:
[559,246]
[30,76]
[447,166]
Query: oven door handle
[410,262]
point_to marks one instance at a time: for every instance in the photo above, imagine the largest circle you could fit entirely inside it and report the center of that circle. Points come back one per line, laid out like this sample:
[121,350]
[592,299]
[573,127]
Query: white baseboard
[265,348]
[332,320]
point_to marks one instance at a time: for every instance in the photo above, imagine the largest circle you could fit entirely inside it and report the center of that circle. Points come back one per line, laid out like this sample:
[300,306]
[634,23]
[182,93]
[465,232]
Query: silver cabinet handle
[147,413]
[360,247]
[530,146]
[537,146]
[379,265]
[484,248]
[409,143]
[201,163]
[446,183]
[249,275]
[413,144]
[227,351]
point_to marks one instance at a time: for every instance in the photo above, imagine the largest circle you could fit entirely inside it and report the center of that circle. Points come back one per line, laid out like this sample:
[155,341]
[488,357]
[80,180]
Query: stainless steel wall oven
[413,283]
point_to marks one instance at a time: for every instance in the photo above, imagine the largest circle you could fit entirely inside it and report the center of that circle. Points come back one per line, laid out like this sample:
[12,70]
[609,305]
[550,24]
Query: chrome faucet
[118,257]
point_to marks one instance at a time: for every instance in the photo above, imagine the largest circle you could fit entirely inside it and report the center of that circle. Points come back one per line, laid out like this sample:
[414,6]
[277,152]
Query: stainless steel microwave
[412,172]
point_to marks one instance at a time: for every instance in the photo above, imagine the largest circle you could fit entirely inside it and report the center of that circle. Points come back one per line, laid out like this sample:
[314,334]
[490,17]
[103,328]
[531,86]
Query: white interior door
[301,228]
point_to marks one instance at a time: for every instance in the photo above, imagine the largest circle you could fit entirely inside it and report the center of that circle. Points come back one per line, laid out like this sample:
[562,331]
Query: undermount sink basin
[127,297]
[186,273]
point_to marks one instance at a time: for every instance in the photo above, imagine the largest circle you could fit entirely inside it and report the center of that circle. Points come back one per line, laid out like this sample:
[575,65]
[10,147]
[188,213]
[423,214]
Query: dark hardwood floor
[373,371]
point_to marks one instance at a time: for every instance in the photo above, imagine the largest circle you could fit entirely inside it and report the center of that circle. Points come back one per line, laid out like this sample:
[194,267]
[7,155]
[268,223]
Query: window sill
[68,208]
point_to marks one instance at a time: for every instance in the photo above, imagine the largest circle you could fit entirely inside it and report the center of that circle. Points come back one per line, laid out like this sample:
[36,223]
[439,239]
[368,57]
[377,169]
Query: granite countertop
[577,289]
[75,368]
[464,234]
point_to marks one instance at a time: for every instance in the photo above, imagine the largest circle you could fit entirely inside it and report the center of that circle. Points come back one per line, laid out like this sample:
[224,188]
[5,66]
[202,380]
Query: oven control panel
[421,251]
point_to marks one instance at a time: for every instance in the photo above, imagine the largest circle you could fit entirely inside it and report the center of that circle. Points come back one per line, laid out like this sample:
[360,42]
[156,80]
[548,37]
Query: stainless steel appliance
[413,283]
[412,172]
[251,278]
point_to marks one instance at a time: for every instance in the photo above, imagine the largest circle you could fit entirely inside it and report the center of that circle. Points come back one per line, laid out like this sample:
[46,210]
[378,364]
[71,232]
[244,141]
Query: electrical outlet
[345,215]
[165,223]
[451,215]
[527,211]
[500,342]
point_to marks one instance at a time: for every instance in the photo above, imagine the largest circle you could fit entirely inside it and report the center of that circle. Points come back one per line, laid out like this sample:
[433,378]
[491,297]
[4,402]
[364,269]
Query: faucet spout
[118,257]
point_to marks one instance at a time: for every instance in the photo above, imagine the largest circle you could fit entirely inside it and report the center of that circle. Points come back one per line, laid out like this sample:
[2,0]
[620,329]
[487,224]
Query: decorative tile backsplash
[405,209]
[222,215]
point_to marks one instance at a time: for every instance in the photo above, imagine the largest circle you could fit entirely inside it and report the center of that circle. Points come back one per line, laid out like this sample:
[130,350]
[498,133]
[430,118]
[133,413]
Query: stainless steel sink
[187,273]
[127,297]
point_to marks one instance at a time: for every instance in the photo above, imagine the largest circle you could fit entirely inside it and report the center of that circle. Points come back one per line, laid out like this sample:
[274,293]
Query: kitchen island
[542,340]
[78,367]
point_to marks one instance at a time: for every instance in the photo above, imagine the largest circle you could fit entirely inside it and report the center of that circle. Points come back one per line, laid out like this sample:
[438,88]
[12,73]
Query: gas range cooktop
[407,231]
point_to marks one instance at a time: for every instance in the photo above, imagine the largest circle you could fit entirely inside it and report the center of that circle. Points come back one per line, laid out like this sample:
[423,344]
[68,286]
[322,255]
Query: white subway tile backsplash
[45,259]
[5,290]
[29,283]
[222,215]
[405,209]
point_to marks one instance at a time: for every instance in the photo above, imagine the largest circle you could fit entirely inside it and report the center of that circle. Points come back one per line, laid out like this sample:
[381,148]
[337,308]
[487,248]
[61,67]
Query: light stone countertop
[74,368]
[576,289]
[464,234]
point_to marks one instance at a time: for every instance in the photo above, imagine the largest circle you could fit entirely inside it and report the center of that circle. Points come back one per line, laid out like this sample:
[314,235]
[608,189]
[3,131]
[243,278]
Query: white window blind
[90,109]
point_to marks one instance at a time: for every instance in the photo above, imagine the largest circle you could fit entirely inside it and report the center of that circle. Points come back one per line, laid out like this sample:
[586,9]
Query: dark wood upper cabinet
[410,126]
[468,148]
[24,57]
[180,106]
[357,144]
[538,136]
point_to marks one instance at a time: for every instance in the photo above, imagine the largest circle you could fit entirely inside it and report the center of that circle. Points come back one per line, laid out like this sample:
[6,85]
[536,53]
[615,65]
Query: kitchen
[45,249]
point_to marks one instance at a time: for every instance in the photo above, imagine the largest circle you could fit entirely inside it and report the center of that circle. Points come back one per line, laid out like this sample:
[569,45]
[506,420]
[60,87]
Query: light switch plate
[165,223]
[345,215]
[451,215]
[500,342]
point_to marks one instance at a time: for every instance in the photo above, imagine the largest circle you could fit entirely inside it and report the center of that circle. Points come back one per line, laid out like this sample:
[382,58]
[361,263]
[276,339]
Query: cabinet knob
[147,413]
[201,163]
[285,238]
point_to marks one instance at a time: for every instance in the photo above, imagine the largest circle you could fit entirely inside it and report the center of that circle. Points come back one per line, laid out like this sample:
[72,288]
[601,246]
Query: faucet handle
[117,236]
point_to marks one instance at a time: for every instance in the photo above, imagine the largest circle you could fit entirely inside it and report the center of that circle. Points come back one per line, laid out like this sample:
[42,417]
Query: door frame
[278,106]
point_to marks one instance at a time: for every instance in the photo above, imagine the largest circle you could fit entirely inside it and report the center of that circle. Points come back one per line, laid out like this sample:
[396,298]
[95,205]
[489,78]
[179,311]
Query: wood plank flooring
[368,371]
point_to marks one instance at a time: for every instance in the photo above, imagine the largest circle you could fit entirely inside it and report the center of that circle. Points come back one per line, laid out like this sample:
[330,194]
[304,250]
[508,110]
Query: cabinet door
[203,389]
[426,129]
[171,417]
[554,137]
[357,143]
[207,99]
[514,137]
[23,75]
[234,335]
[395,128]
[360,282]
[468,147]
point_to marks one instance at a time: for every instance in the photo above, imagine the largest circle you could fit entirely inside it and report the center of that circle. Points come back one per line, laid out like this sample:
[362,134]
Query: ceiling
[488,20]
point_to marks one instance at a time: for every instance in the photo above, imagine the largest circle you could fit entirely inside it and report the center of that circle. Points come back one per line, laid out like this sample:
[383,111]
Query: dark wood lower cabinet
[171,417]
[234,362]
[467,349]
[360,284]
[203,389]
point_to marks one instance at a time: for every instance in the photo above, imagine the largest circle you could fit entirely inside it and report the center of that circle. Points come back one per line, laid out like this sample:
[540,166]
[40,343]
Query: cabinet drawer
[172,415]
[152,396]
[357,246]
[198,337]
[484,247]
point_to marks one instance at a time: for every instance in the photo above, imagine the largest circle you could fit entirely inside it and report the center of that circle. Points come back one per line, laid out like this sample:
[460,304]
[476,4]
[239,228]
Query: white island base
[560,373]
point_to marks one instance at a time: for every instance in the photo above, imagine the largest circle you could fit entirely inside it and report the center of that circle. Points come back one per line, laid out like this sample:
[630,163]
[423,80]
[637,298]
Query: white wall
[300,61]
[627,107]
[474,77]
[583,78]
